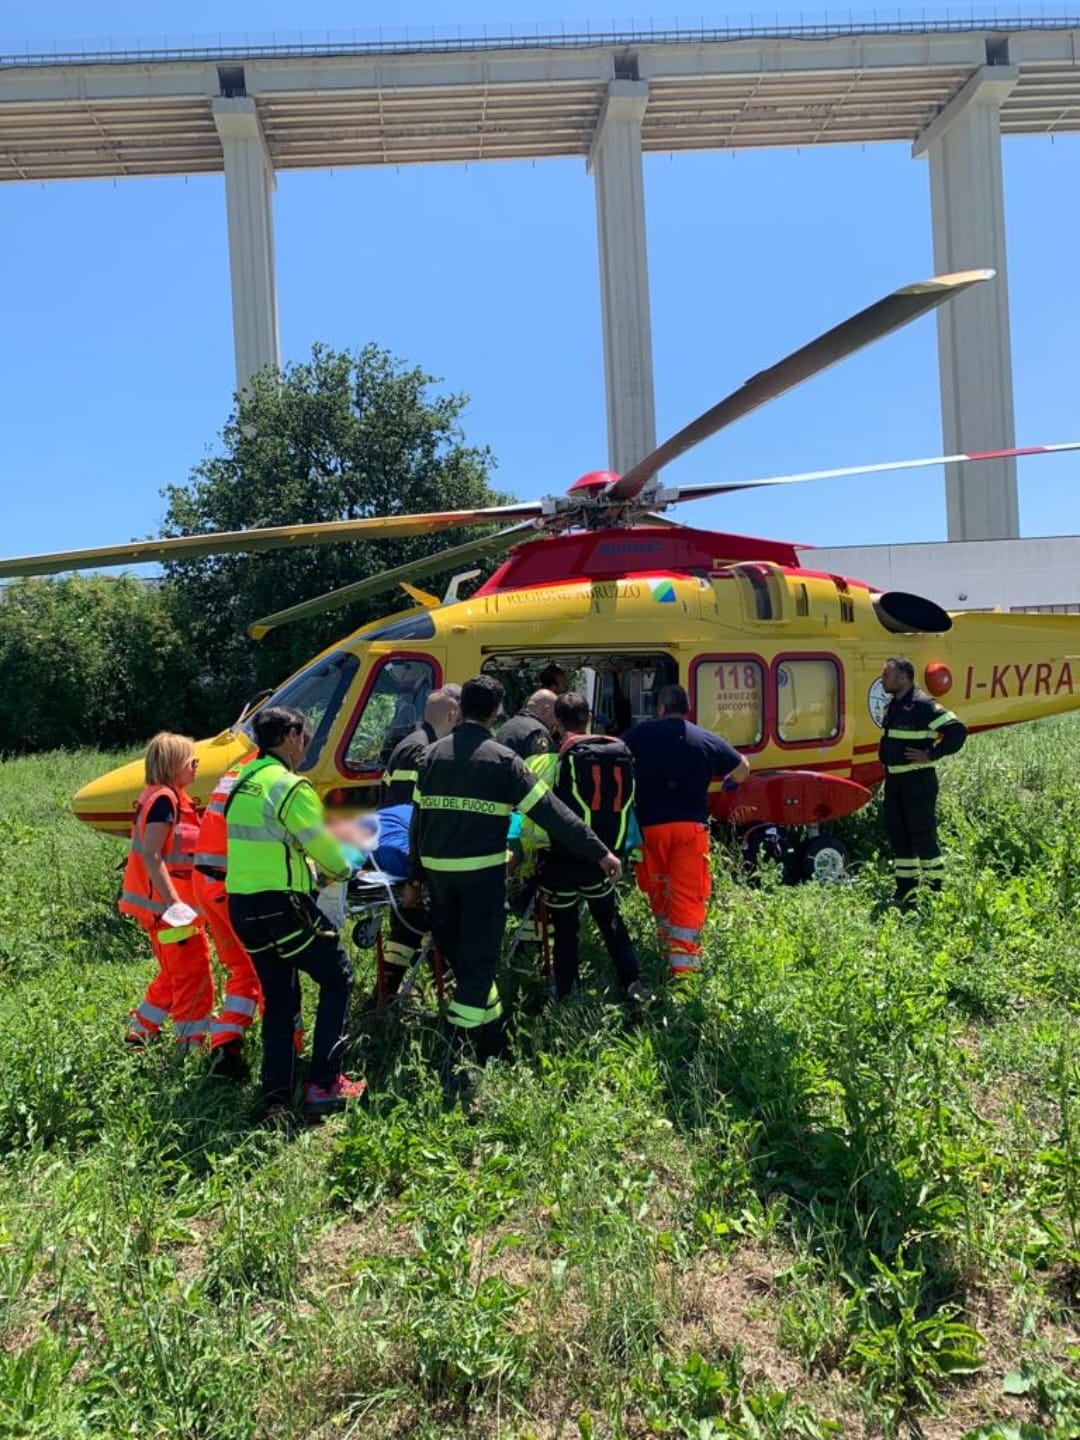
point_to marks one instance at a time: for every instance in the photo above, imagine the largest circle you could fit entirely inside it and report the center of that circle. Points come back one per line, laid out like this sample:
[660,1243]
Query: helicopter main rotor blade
[386,579]
[703,492]
[274,537]
[876,321]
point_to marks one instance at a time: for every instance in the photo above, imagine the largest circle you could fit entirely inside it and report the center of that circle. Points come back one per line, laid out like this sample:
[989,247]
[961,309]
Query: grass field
[834,1190]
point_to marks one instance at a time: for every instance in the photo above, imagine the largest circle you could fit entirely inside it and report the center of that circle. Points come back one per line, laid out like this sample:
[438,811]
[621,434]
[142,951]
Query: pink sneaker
[327,1099]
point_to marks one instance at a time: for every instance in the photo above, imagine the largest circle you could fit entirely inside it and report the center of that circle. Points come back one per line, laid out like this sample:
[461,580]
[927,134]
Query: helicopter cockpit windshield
[317,691]
[393,705]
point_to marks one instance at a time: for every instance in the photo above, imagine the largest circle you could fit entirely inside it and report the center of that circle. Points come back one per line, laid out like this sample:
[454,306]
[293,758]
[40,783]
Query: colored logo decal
[662,591]
[877,702]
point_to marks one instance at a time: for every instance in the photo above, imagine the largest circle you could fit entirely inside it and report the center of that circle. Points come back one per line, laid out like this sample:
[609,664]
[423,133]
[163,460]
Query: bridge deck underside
[132,120]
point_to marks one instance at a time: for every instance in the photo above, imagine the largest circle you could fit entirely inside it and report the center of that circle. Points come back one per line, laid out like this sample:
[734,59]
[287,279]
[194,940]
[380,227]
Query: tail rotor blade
[876,321]
[480,549]
[703,492]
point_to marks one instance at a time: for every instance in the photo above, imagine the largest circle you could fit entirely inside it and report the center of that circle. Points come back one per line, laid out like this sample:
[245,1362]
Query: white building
[1033,575]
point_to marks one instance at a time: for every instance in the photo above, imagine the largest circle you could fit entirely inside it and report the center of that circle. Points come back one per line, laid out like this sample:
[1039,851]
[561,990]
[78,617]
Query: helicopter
[784,661]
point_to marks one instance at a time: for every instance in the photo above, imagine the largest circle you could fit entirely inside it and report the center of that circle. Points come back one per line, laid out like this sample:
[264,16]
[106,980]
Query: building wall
[1040,574]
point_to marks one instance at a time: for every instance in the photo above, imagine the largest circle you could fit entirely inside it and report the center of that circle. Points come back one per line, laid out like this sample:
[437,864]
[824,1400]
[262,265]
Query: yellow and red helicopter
[784,661]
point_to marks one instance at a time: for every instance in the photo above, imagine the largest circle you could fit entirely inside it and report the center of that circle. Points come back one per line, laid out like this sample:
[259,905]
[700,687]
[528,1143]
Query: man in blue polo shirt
[675,762]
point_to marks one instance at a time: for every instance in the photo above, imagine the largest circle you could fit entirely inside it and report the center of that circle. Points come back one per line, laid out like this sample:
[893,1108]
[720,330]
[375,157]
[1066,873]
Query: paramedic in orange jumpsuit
[243,995]
[675,761]
[157,876]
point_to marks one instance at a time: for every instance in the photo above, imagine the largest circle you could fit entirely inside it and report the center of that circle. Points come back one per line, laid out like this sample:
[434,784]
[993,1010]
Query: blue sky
[117,367]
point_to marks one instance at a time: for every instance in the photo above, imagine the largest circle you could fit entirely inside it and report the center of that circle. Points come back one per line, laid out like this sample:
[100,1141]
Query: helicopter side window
[763,596]
[807,700]
[729,698]
[317,692]
[393,705]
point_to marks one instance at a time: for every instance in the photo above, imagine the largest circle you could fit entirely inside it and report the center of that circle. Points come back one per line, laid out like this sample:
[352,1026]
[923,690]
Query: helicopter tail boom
[1007,669]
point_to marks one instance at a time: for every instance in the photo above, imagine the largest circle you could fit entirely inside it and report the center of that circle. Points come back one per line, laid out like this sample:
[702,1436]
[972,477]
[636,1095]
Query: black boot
[227,1062]
[904,897]
[491,1040]
[452,1074]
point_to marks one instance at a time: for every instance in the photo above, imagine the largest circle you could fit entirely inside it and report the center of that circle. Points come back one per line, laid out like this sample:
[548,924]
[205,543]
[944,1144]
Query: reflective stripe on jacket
[399,777]
[917,720]
[139,896]
[274,823]
[467,788]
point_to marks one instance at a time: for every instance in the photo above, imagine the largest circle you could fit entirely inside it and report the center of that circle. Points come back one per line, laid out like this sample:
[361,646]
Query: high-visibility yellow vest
[275,823]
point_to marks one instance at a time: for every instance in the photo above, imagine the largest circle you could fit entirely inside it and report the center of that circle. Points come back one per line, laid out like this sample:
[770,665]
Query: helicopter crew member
[157,892]
[528,733]
[276,826]
[468,786]
[243,995]
[553,677]
[442,711]
[593,775]
[408,924]
[675,762]
[916,732]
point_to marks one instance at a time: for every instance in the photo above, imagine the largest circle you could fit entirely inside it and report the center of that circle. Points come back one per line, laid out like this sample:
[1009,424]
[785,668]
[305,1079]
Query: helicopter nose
[108,803]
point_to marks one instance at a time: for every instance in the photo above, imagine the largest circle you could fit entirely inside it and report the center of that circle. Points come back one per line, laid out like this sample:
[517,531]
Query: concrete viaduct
[951,91]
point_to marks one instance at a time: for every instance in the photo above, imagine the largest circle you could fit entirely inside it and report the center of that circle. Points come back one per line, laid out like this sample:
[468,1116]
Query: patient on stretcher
[376,843]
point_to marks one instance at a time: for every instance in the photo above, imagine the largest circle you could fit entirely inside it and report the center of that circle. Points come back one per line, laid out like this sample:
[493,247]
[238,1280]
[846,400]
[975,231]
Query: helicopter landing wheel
[824,858]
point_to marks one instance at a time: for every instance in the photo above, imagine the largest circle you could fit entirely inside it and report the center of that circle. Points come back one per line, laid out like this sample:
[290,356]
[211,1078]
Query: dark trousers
[468,917]
[405,935]
[604,910]
[911,827]
[565,883]
[285,933]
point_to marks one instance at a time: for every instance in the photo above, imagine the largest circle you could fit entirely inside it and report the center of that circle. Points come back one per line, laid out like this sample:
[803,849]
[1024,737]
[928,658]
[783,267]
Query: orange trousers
[243,994]
[183,988]
[674,874]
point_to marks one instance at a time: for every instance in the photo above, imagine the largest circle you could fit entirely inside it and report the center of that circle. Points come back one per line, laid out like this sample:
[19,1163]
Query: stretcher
[531,923]
[370,896]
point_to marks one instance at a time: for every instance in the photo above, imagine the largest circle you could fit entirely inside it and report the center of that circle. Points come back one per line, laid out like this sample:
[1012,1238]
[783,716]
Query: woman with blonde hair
[157,892]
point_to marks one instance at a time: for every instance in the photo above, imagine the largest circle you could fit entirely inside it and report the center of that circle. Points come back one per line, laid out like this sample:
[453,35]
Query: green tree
[345,435]
[88,662]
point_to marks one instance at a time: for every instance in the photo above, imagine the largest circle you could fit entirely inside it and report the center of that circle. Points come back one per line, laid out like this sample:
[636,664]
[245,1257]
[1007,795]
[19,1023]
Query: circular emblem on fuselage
[877,702]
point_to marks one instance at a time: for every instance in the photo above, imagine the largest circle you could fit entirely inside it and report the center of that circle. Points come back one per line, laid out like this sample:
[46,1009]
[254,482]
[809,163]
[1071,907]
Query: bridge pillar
[963,144]
[249,186]
[615,162]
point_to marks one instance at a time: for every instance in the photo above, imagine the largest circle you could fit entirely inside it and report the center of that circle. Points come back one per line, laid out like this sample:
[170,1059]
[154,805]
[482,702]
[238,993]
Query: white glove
[331,901]
[178,915]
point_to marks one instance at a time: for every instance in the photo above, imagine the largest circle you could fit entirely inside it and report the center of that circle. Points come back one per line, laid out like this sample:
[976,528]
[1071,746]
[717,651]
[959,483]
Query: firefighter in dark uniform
[594,776]
[467,788]
[916,732]
[441,713]
[529,732]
